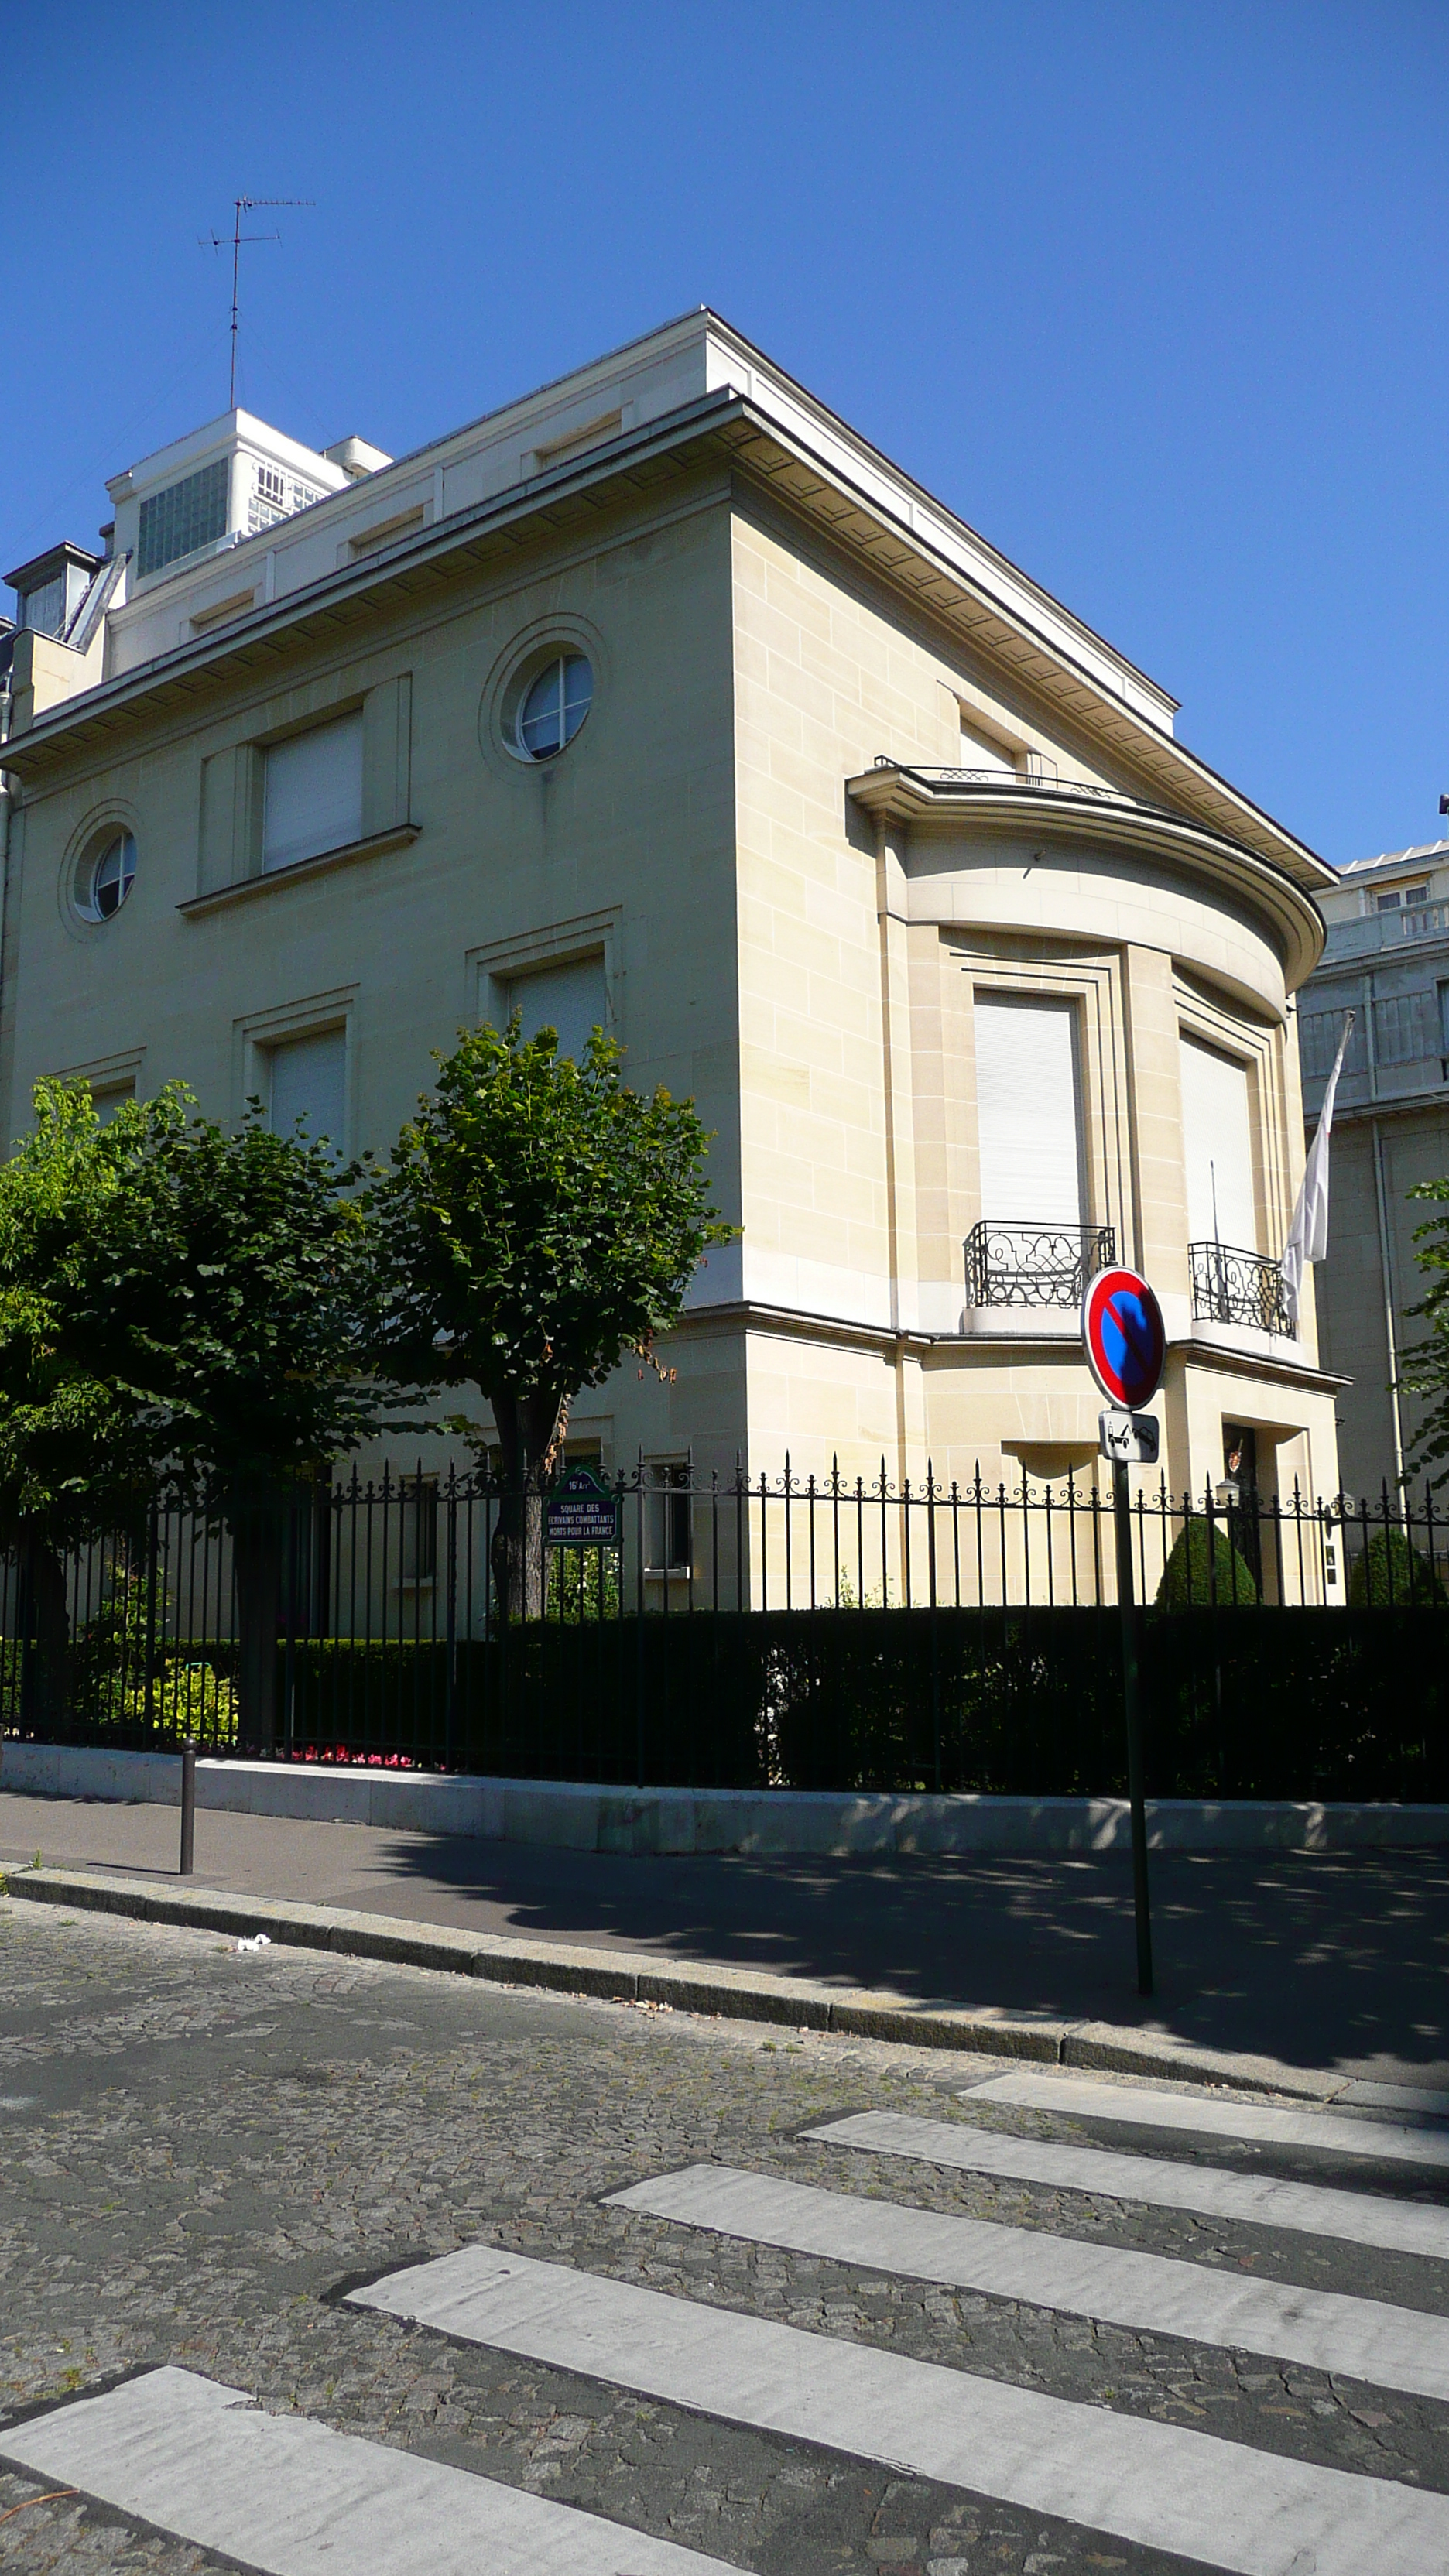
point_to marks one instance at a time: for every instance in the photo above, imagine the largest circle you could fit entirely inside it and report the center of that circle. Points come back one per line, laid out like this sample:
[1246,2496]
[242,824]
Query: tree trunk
[256,1538]
[530,1432]
[45,1633]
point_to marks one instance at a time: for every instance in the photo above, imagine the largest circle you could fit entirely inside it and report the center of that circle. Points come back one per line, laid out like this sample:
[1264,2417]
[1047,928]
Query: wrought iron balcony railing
[1230,1286]
[1034,1265]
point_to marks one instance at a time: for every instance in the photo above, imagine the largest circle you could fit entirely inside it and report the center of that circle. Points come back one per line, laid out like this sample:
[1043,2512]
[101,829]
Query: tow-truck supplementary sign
[1124,1337]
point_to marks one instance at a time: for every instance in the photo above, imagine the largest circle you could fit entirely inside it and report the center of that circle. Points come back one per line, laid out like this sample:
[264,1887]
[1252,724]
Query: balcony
[1230,1286]
[1378,931]
[1034,1265]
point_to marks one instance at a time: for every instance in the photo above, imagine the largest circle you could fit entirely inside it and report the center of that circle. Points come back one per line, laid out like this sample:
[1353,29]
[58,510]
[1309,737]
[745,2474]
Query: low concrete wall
[782,1823]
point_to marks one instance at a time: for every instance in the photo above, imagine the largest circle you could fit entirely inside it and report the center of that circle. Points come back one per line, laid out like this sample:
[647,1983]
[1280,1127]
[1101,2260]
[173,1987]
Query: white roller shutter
[1218,1140]
[1027,1111]
[978,751]
[313,793]
[307,1080]
[567,998]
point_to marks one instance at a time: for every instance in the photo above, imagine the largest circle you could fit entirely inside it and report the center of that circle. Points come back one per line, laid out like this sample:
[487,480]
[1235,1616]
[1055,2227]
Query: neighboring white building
[1387,960]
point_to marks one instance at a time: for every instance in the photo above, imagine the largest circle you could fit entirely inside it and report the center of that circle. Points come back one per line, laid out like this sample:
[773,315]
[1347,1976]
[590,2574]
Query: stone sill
[1021,1324]
[376,846]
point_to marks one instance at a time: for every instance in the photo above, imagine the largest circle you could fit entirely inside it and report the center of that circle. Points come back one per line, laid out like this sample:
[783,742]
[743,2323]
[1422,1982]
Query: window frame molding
[1023,970]
[106,1074]
[489,970]
[528,651]
[1258,1046]
[89,841]
[317,1015]
[231,821]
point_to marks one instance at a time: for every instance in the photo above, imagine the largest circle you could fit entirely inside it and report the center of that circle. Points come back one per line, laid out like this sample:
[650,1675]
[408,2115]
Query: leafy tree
[174,1298]
[237,1301]
[76,1456]
[539,1219]
[1425,1368]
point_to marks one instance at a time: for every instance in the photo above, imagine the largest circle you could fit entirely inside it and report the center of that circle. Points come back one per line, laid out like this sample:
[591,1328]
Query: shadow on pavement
[1318,1960]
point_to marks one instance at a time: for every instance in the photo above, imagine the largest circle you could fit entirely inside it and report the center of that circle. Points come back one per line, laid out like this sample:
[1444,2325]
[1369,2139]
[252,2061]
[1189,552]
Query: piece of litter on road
[255,1941]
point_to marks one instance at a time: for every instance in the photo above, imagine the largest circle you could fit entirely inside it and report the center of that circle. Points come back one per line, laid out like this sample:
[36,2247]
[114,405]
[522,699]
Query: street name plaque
[583,1511]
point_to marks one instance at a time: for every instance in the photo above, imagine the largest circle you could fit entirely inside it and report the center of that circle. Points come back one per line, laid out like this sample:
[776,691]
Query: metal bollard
[188,1809]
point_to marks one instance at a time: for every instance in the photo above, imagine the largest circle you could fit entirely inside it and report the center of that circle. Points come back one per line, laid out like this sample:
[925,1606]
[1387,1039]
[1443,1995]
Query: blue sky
[1152,295]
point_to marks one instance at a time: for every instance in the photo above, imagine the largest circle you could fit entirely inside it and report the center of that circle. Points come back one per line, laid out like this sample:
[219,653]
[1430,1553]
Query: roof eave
[758,446]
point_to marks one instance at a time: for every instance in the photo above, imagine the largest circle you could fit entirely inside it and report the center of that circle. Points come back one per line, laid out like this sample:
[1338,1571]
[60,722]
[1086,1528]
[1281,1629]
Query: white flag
[1308,1233]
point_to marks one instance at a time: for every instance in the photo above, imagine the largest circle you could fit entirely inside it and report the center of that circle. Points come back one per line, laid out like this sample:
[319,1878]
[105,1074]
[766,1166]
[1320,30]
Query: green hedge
[1256,1702]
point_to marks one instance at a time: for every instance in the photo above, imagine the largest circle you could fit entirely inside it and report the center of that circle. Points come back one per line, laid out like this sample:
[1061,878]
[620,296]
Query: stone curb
[621,1976]
[579,1815]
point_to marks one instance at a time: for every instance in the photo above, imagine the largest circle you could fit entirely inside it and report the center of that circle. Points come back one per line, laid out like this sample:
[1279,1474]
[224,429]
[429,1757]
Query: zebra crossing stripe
[1150,2293]
[1140,2106]
[291,2498]
[1217,2502]
[1247,2200]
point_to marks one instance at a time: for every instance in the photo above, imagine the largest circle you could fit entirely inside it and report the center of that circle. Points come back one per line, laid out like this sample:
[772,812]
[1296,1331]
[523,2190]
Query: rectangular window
[568,998]
[418,1530]
[668,1521]
[1401,898]
[109,1101]
[313,793]
[1028,1111]
[306,1079]
[42,612]
[186,515]
[1218,1141]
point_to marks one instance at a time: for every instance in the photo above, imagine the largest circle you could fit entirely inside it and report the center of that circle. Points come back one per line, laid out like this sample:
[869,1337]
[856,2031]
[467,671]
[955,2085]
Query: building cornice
[872,523]
[1062,810]
[797,1323]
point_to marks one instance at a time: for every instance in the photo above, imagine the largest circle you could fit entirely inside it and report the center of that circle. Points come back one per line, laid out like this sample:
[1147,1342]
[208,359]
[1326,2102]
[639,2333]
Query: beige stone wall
[828,675]
[629,834]
[860,955]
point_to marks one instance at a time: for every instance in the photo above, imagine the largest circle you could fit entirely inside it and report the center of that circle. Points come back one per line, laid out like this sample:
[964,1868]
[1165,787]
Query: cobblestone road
[206,2149]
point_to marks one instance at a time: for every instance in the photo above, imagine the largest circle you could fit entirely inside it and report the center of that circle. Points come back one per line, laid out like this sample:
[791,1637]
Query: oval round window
[555,705]
[107,878]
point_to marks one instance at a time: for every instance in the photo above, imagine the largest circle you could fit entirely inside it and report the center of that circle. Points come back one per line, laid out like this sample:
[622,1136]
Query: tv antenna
[244,206]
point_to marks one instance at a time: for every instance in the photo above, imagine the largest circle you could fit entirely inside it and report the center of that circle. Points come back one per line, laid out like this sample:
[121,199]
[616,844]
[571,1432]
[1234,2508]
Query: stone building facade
[1387,960]
[662,699]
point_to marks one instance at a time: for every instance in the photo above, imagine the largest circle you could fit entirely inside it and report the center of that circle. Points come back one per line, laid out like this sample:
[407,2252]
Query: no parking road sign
[1124,1337]
[1125,1343]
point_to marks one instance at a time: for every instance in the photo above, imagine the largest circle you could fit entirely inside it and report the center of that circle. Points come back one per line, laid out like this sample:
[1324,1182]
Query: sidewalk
[1331,1966]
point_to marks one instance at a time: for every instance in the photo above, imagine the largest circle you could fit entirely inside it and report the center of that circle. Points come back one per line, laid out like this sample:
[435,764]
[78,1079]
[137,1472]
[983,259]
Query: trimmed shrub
[1193,1579]
[1390,1571]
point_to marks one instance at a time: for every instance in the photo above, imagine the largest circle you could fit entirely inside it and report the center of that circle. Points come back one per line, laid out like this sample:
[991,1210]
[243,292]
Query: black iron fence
[787,1631]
